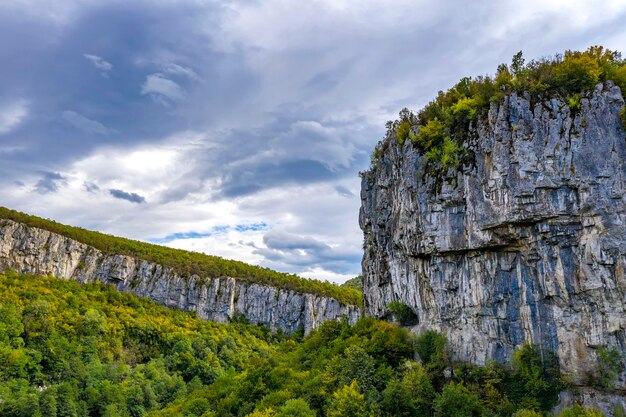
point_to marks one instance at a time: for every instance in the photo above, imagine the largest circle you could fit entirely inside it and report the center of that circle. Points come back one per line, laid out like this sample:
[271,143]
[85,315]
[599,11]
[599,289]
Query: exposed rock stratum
[525,244]
[36,251]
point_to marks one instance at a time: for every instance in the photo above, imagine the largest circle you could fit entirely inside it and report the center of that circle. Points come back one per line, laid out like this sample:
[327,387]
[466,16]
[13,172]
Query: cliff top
[440,129]
[188,263]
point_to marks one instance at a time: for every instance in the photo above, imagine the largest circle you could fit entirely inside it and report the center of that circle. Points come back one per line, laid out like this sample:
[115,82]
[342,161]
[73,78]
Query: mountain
[214,288]
[497,214]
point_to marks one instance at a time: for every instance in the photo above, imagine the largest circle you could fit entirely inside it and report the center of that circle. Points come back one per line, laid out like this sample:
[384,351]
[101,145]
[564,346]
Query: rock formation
[525,244]
[36,251]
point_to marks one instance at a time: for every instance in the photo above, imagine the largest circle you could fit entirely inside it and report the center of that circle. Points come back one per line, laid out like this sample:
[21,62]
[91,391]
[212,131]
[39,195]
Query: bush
[403,132]
[403,313]
[431,346]
[456,401]
[578,72]
[622,115]
[578,411]
[535,381]
[430,135]
[609,366]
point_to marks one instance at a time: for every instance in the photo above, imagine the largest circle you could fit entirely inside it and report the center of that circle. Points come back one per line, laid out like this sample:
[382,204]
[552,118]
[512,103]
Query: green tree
[578,72]
[456,401]
[432,348]
[348,401]
[296,408]
[535,381]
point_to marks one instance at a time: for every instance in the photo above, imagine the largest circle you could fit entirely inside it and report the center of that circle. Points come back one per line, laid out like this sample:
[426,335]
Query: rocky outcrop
[36,251]
[525,244]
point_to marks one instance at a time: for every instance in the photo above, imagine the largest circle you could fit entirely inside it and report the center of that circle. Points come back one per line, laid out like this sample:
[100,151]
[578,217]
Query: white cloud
[86,125]
[12,115]
[100,64]
[157,86]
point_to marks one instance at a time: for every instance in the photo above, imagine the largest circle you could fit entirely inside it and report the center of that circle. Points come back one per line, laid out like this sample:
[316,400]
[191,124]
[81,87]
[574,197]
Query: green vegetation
[403,313]
[441,129]
[622,115]
[609,366]
[87,350]
[355,283]
[188,263]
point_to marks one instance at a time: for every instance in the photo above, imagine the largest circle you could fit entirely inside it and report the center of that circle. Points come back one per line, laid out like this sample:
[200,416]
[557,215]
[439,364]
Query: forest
[71,350]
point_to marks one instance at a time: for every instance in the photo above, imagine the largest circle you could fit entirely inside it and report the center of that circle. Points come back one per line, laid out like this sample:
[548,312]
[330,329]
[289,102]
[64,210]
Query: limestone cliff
[36,251]
[525,244]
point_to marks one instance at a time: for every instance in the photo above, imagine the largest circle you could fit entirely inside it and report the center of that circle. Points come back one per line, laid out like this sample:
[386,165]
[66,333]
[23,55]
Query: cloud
[123,195]
[12,114]
[175,69]
[214,231]
[343,191]
[86,125]
[159,87]
[306,252]
[268,109]
[49,182]
[100,64]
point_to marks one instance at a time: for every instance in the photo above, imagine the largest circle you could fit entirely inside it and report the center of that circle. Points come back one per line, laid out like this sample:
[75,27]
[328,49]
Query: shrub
[430,135]
[609,366]
[447,154]
[431,345]
[403,313]
[527,413]
[573,102]
[535,381]
[456,401]
[578,411]
[403,132]
[578,72]
[622,115]
[465,107]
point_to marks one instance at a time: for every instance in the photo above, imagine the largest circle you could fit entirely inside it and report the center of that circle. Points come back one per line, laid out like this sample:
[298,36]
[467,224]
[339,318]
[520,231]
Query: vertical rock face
[528,244]
[31,250]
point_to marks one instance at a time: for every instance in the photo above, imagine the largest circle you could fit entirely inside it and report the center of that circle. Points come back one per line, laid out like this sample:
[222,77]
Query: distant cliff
[37,251]
[524,243]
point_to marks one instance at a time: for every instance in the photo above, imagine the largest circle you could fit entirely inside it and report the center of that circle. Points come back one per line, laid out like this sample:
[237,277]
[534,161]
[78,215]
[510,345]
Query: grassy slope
[188,263]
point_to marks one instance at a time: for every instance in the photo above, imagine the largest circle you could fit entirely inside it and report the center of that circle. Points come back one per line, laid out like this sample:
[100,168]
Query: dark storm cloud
[123,195]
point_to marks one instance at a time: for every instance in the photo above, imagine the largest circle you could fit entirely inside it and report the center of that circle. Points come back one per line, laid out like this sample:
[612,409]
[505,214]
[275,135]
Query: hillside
[188,263]
[88,350]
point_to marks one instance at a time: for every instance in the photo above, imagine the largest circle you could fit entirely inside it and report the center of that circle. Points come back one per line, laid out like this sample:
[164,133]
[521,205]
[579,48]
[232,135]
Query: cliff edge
[525,243]
[37,251]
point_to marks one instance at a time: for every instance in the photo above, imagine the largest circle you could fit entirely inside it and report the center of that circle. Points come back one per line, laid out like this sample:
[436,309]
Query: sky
[238,128]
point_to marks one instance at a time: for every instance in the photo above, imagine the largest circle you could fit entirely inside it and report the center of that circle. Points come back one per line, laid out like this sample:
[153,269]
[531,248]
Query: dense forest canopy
[189,263]
[71,350]
[440,129]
